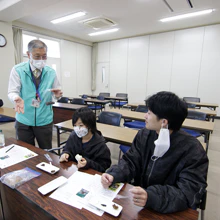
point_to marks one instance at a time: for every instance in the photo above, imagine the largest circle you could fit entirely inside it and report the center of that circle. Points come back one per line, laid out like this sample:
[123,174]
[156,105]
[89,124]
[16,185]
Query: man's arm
[14,85]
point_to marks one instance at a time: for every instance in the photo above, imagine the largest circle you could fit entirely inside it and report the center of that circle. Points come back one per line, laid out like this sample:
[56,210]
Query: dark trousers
[43,134]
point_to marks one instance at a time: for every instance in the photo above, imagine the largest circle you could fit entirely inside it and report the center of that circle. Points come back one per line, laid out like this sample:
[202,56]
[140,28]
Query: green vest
[35,116]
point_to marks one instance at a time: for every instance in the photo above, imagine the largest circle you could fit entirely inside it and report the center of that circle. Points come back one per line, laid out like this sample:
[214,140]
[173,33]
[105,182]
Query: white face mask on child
[80,132]
[162,144]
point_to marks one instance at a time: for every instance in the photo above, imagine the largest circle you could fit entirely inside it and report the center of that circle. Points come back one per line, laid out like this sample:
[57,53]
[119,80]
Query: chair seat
[192,132]
[119,104]
[124,148]
[135,124]
[93,107]
[6,119]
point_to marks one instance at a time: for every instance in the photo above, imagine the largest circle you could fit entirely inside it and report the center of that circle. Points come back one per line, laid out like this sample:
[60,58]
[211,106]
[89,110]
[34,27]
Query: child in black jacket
[87,141]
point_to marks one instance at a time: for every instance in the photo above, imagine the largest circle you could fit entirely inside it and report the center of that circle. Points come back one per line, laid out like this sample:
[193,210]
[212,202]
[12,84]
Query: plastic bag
[18,177]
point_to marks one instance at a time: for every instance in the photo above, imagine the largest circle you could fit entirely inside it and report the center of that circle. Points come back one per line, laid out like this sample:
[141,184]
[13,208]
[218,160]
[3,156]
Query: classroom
[140,57]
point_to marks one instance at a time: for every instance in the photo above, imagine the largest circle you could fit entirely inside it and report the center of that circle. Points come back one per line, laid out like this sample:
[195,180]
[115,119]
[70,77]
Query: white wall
[75,69]
[6,62]
[186,62]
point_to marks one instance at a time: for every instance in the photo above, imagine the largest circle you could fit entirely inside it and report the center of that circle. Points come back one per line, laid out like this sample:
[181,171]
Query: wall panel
[137,68]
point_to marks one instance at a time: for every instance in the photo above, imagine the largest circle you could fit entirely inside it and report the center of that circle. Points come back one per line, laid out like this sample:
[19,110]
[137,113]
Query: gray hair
[36,44]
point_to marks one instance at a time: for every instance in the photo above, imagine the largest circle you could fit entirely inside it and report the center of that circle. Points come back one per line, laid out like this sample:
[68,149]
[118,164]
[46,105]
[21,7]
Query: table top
[199,104]
[206,111]
[62,211]
[188,123]
[109,97]
[204,104]
[111,133]
[97,101]
[10,112]
[120,135]
[67,106]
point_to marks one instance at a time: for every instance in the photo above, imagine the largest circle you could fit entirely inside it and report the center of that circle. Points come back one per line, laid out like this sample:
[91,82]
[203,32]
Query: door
[102,78]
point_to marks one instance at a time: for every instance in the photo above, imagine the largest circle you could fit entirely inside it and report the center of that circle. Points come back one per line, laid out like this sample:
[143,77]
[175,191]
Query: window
[26,40]
[53,46]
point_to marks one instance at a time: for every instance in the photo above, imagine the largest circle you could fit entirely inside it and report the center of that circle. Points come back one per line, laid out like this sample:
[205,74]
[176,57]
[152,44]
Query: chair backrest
[100,97]
[191,99]
[77,101]
[122,95]
[63,100]
[84,96]
[190,105]
[196,115]
[110,118]
[142,108]
[1,103]
[105,94]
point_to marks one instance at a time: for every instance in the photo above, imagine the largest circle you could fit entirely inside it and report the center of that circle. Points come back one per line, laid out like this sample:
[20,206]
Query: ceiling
[133,17]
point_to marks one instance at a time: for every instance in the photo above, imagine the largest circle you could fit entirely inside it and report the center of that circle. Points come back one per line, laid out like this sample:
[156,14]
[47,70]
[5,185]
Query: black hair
[169,106]
[36,44]
[88,118]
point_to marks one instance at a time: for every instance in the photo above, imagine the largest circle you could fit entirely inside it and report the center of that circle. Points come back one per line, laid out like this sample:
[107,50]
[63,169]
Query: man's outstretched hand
[19,105]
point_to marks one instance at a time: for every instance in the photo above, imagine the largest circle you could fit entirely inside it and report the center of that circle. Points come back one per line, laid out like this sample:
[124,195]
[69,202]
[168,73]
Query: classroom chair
[97,106]
[121,103]
[110,118]
[63,100]
[196,116]
[78,101]
[137,124]
[105,94]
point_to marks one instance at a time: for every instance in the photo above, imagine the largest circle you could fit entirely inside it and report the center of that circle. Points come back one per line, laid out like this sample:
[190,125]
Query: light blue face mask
[80,132]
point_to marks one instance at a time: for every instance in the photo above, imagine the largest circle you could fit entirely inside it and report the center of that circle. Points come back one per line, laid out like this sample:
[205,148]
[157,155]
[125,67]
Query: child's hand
[64,157]
[82,163]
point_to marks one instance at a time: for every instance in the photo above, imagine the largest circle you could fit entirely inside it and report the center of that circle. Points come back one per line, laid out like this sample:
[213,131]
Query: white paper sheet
[15,155]
[80,188]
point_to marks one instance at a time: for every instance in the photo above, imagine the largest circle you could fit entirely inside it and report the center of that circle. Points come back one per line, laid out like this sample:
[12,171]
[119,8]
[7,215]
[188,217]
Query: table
[210,113]
[10,112]
[110,98]
[203,126]
[204,104]
[26,203]
[212,106]
[115,134]
[96,102]
[64,111]
[119,135]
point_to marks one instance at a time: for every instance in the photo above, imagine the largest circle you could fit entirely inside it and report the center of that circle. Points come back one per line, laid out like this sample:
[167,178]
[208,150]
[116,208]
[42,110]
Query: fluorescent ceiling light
[7,3]
[104,32]
[187,15]
[69,17]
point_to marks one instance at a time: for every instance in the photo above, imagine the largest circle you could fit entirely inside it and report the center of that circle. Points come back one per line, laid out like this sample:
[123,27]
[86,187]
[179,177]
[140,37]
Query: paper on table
[15,155]
[80,188]
[68,193]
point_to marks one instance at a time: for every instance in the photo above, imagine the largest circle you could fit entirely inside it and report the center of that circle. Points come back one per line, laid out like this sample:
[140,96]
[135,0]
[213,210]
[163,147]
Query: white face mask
[162,143]
[80,132]
[39,64]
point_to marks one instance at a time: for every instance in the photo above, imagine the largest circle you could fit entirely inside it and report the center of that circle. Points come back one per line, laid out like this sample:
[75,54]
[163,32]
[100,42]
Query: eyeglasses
[37,57]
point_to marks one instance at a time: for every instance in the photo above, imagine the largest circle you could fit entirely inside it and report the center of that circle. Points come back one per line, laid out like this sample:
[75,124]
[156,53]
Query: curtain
[18,45]
[94,60]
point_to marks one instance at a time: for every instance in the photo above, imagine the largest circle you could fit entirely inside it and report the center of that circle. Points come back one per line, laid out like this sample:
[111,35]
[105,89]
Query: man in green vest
[32,86]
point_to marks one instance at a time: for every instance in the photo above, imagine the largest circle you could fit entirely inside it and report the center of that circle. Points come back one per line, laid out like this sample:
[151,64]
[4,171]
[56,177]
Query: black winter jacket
[96,152]
[173,182]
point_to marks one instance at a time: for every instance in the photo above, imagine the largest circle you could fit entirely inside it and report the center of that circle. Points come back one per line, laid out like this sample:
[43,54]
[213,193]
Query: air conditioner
[99,22]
